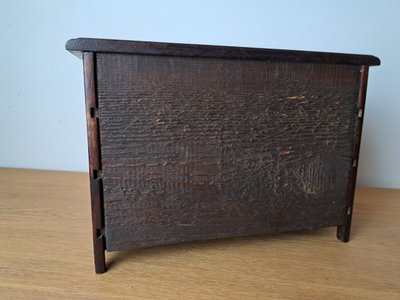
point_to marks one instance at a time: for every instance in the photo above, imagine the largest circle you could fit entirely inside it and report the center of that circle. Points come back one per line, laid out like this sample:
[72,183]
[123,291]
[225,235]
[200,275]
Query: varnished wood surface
[46,253]
[77,46]
[96,186]
[197,148]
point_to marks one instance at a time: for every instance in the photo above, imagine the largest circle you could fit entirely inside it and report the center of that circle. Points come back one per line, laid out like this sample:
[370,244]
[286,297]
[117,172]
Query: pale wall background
[42,123]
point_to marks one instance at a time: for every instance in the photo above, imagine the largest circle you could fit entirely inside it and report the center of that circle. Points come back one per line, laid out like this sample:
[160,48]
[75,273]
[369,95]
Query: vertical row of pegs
[360,115]
[95,165]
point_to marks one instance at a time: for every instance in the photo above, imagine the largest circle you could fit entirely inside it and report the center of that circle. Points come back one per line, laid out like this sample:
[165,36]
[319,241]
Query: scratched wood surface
[197,148]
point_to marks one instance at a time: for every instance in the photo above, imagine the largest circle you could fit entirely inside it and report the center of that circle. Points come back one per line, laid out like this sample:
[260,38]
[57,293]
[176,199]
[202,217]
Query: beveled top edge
[79,45]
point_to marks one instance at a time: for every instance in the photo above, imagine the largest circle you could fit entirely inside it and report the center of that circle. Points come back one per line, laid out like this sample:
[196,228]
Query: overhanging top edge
[197,50]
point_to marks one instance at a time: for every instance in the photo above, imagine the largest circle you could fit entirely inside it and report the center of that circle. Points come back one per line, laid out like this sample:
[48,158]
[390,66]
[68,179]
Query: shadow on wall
[372,142]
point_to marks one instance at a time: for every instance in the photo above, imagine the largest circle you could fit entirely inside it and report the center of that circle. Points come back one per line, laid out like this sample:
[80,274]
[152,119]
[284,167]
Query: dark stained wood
[200,148]
[194,142]
[77,46]
[96,188]
[343,232]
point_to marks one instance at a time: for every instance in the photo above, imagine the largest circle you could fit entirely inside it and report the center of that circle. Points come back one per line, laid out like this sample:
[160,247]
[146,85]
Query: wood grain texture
[96,185]
[46,253]
[343,232]
[77,46]
[197,148]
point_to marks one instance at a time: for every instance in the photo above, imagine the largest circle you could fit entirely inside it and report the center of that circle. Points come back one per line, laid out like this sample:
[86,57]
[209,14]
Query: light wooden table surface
[46,253]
